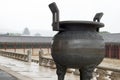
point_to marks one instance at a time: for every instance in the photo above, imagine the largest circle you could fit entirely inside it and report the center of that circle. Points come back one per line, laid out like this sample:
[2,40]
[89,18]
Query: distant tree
[26,31]
[12,34]
[37,34]
[105,32]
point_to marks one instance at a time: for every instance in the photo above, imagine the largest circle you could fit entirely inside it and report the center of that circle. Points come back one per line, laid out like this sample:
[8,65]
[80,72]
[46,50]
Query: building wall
[112,50]
[24,47]
[35,51]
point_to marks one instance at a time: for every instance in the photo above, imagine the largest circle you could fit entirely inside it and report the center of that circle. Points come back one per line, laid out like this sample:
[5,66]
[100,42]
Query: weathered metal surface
[76,45]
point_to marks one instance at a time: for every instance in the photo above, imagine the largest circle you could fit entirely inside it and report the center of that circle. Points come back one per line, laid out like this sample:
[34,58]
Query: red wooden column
[48,50]
[32,48]
[114,51]
[106,50]
[14,47]
[39,46]
[23,47]
[119,51]
[110,50]
[5,46]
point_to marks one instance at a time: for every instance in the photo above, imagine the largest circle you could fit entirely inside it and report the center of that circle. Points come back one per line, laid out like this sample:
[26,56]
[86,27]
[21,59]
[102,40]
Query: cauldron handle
[97,18]
[55,11]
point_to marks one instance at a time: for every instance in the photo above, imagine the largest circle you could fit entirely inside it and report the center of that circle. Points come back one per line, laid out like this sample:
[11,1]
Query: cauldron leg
[61,70]
[86,72]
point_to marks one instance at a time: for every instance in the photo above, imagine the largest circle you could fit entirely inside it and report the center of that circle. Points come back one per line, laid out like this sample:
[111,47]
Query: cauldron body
[78,45]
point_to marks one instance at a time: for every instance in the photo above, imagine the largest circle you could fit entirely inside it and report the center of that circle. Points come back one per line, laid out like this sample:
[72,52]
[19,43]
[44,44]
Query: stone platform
[5,76]
[30,71]
[109,68]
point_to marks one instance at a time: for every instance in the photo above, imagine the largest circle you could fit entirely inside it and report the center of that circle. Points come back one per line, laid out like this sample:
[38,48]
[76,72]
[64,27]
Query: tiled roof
[111,38]
[108,37]
[25,39]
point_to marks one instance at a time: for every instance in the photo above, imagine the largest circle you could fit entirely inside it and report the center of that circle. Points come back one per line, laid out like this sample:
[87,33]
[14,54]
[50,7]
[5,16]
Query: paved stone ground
[30,71]
[6,76]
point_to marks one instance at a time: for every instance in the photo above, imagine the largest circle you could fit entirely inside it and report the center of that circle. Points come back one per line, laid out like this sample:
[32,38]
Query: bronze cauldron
[77,45]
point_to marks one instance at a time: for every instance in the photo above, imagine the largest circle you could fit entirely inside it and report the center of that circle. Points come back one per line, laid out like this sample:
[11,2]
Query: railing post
[77,72]
[115,76]
[40,57]
[29,55]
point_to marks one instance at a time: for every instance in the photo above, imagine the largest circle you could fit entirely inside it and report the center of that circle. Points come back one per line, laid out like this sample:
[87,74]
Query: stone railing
[44,60]
[102,72]
[19,56]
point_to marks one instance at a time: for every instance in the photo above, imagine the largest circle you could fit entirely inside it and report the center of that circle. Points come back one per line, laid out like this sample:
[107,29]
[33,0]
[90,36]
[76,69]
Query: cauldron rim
[93,23]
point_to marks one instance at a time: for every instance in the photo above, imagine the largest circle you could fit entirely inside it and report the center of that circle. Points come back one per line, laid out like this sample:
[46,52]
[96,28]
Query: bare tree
[37,34]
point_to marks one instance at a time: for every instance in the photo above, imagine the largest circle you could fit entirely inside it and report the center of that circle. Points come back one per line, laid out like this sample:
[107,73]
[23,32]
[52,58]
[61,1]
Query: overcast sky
[15,15]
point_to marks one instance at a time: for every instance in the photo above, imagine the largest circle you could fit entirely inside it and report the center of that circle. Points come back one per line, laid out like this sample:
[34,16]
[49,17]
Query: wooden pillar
[32,48]
[39,46]
[117,47]
[14,47]
[106,50]
[110,50]
[119,51]
[113,51]
[48,50]
[23,47]
[5,46]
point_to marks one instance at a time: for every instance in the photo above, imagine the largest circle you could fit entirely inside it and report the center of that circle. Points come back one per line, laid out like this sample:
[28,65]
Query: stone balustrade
[102,72]
[19,56]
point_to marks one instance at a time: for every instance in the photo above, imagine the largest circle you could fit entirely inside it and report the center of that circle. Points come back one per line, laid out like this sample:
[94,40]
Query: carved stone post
[115,76]
[29,55]
[76,72]
[102,74]
[52,63]
[40,57]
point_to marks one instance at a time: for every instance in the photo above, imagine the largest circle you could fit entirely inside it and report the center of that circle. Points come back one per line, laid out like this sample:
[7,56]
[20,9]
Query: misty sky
[15,15]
